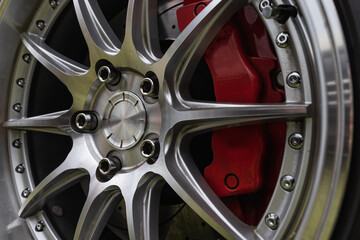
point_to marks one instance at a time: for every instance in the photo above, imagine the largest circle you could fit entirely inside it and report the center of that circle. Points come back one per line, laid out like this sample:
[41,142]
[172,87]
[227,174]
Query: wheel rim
[181,118]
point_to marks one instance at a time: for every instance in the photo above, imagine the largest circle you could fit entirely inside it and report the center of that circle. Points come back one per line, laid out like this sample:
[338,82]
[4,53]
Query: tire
[118,130]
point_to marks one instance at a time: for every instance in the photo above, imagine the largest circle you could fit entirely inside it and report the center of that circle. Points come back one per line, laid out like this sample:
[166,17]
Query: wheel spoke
[62,67]
[66,175]
[142,30]
[208,116]
[95,28]
[56,123]
[186,180]
[182,57]
[100,204]
[142,208]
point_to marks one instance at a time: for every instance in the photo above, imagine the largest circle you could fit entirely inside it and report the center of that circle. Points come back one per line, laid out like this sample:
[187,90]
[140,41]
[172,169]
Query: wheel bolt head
[150,149]
[282,40]
[27,58]
[53,3]
[148,87]
[20,168]
[272,221]
[17,107]
[16,143]
[40,24]
[26,193]
[86,121]
[294,80]
[296,141]
[108,166]
[287,182]
[20,82]
[108,75]
[39,226]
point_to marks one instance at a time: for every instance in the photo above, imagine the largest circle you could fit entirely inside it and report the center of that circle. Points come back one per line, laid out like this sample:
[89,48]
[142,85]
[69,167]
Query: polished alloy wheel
[131,117]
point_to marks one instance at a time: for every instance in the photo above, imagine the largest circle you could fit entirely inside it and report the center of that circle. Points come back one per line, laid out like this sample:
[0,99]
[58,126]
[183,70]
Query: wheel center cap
[124,120]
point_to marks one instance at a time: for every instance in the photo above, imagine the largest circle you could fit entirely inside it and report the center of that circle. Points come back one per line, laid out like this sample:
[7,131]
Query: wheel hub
[124,120]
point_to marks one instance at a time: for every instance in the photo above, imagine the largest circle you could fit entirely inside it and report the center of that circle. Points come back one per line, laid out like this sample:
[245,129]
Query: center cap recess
[124,120]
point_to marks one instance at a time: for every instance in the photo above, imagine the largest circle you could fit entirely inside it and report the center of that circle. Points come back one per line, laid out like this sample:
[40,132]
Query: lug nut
[86,121]
[16,143]
[149,87]
[282,40]
[287,182]
[150,149]
[26,192]
[20,82]
[272,221]
[108,166]
[26,57]
[264,4]
[17,107]
[39,226]
[108,75]
[40,24]
[294,80]
[20,168]
[296,141]
[281,13]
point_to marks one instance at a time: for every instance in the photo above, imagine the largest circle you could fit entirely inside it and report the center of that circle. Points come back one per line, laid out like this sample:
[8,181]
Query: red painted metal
[242,64]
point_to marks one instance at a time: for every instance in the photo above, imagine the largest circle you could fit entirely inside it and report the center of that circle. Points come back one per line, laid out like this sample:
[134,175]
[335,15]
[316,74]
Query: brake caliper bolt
[54,3]
[26,57]
[20,168]
[272,221]
[150,149]
[109,75]
[26,192]
[282,40]
[39,226]
[86,121]
[20,82]
[296,141]
[17,107]
[264,4]
[40,24]
[294,80]
[16,143]
[287,182]
[149,87]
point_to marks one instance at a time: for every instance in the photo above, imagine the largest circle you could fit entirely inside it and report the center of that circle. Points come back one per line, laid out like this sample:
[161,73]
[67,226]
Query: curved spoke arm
[57,123]
[100,204]
[186,180]
[65,69]
[95,28]
[208,116]
[142,28]
[142,208]
[182,57]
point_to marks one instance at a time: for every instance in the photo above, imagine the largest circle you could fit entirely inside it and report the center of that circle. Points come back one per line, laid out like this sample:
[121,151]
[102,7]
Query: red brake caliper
[242,65]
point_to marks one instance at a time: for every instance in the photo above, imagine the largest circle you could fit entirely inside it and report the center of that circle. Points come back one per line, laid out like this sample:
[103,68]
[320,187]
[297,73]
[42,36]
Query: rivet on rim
[263,4]
[26,193]
[16,143]
[20,82]
[53,3]
[287,182]
[20,168]
[272,221]
[26,57]
[17,107]
[282,40]
[40,226]
[40,24]
[296,141]
[293,80]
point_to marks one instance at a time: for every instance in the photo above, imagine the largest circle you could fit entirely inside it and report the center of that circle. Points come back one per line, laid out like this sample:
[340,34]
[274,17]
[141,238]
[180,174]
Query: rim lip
[316,188]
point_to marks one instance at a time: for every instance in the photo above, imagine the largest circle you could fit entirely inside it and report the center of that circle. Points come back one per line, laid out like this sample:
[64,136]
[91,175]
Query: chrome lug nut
[40,24]
[20,82]
[264,4]
[17,107]
[17,143]
[39,226]
[296,141]
[150,149]
[282,40]
[293,80]
[149,87]
[20,168]
[86,121]
[108,166]
[108,75]
[287,182]
[26,57]
[26,192]
[272,221]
